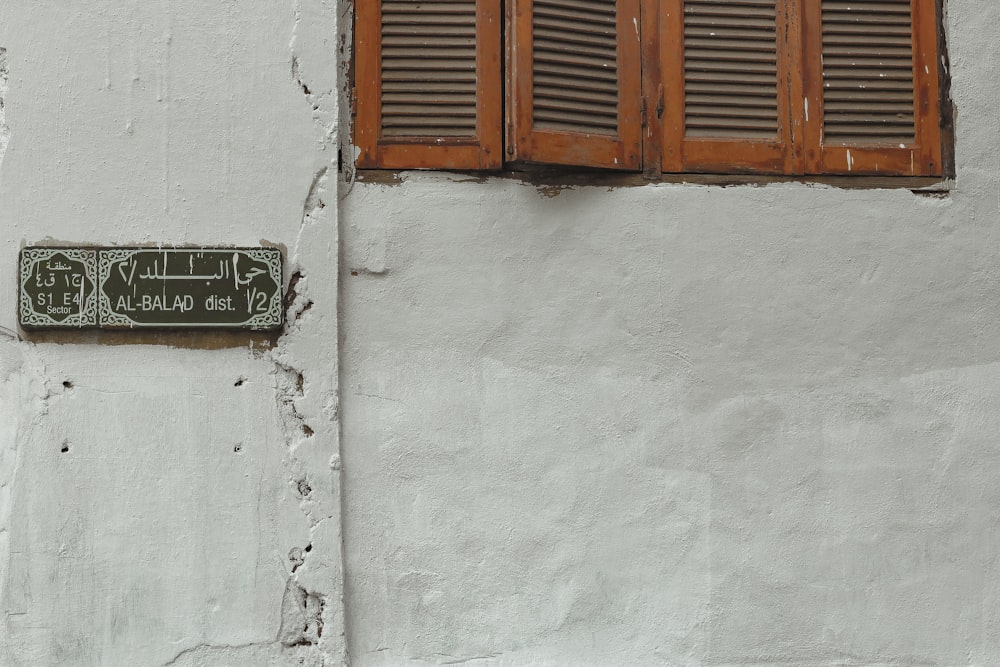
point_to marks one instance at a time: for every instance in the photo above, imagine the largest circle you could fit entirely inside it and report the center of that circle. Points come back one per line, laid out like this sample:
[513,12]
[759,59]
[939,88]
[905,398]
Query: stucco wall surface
[170,499]
[678,424]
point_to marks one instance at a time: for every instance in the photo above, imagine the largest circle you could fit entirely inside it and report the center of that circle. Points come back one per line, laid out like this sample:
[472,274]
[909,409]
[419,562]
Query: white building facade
[508,421]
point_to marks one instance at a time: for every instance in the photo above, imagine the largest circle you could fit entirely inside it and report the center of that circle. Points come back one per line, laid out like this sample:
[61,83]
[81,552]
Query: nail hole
[239,382]
[309,547]
[238,448]
[65,446]
[67,384]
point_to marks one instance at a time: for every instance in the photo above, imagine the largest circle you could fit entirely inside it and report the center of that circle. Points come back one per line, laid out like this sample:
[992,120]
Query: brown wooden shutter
[871,82]
[729,81]
[574,83]
[428,84]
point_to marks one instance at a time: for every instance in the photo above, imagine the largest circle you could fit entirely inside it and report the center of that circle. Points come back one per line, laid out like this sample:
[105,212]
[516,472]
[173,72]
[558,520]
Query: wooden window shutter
[429,84]
[872,83]
[574,83]
[729,81]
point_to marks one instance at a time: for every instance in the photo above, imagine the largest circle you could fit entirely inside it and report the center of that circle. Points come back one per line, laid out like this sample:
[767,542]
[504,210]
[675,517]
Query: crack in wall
[316,100]
[203,648]
[302,622]
[295,305]
[291,387]
[302,610]
[309,605]
[312,206]
[273,652]
[301,616]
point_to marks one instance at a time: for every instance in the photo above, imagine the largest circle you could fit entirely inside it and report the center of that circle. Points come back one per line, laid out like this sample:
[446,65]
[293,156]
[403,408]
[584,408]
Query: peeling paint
[304,393]
[301,616]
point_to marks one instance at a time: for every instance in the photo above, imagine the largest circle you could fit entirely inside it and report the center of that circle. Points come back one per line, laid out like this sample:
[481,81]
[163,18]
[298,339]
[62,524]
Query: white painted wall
[193,518]
[663,425]
[676,424]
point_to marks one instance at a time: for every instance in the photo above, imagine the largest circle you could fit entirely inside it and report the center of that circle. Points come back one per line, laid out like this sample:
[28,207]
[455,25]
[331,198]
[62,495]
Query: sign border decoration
[29,317]
[106,258]
[274,317]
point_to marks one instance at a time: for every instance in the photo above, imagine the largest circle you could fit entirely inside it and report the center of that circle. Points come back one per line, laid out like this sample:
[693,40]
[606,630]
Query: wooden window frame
[719,155]
[652,132]
[527,144]
[921,158]
[483,152]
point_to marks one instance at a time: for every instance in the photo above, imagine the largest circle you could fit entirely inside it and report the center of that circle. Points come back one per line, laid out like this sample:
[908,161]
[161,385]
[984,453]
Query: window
[713,86]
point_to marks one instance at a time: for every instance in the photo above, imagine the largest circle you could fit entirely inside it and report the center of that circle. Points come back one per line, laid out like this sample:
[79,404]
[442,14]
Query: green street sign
[57,288]
[115,288]
[204,287]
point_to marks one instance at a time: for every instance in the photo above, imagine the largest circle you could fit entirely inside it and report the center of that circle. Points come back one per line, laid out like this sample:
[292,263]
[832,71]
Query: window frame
[924,157]
[484,152]
[503,143]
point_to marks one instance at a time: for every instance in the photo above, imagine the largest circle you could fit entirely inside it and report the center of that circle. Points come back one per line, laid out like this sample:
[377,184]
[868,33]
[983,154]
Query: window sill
[564,178]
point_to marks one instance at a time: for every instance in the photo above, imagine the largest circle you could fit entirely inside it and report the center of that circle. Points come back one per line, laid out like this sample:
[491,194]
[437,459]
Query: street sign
[204,287]
[57,287]
[116,288]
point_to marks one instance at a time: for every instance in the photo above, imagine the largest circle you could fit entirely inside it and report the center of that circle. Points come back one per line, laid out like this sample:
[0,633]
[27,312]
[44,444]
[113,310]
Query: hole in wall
[296,558]
[291,293]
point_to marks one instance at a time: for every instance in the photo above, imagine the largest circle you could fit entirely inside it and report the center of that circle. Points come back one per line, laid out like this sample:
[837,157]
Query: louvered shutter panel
[428,84]
[727,66]
[873,78]
[574,82]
